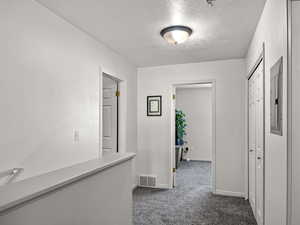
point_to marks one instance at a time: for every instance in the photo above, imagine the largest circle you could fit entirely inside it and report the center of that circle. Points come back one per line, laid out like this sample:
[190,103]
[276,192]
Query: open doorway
[110,113]
[194,131]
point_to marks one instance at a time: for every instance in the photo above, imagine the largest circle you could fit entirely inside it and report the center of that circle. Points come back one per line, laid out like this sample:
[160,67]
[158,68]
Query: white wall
[154,133]
[272,30]
[296,112]
[196,103]
[49,87]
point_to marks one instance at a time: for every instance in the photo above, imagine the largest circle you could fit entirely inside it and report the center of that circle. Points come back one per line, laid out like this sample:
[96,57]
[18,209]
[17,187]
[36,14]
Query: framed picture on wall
[154,105]
[276,97]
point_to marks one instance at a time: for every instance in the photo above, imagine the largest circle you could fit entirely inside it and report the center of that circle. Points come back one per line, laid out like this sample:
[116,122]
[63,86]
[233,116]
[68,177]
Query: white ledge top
[16,193]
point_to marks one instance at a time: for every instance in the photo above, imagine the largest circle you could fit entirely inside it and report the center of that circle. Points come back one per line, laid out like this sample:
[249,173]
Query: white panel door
[252,137]
[110,114]
[259,146]
[256,144]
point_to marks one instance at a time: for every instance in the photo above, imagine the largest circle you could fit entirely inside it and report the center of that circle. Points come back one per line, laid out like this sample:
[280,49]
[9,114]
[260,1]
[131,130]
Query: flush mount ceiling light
[210,2]
[176,34]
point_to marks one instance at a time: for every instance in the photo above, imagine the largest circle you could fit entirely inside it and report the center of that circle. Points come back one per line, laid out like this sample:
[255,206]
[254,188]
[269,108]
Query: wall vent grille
[147,181]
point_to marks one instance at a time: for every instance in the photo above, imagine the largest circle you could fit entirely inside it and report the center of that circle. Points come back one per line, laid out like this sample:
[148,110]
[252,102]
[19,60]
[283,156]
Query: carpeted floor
[190,203]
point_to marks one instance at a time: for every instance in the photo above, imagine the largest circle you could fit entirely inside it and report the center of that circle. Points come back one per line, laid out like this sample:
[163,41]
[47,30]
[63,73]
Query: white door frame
[290,148]
[172,118]
[261,59]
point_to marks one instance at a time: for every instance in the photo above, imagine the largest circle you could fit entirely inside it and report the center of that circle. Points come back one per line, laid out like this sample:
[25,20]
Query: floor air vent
[148,181]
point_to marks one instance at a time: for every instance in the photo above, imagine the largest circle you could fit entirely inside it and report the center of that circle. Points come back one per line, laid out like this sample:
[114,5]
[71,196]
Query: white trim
[158,186]
[246,140]
[100,112]
[134,186]
[172,174]
[290,147]
[201,160]
[229,193]
[172,121]
[162,186]
[214,137]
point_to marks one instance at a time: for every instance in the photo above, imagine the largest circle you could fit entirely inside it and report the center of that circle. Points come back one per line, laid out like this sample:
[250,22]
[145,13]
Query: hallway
[99,98]
[190,203]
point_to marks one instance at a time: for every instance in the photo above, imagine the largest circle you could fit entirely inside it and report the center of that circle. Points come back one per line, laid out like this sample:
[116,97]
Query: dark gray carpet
[190,203]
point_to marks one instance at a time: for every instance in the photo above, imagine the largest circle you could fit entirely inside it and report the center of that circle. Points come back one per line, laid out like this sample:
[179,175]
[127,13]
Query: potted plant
[180,127]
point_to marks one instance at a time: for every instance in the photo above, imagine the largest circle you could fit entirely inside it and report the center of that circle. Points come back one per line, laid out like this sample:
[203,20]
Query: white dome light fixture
[176,34]
[210,3]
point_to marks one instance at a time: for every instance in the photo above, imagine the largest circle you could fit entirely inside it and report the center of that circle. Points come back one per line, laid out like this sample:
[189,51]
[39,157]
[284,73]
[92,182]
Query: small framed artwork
[154,105]
[276,97]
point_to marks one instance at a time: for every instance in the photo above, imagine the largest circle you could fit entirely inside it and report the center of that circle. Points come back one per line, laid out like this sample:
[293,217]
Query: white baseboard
[134,186]
[163,186]
[200,160]
[229,193]
[158,186]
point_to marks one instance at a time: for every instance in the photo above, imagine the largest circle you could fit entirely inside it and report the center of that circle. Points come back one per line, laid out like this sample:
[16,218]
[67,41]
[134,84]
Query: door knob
[258,157]
[251,150]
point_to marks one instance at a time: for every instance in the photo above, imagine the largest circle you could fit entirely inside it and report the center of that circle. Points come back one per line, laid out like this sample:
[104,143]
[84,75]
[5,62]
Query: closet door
[259,146]
[252,147]
[256,144]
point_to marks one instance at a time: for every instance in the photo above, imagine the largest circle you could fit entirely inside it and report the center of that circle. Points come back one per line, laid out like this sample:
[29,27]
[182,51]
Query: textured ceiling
[131,27]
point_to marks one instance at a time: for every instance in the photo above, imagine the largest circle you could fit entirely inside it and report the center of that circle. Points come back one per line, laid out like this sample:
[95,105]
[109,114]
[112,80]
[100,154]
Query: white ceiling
[193,86]
[132,27]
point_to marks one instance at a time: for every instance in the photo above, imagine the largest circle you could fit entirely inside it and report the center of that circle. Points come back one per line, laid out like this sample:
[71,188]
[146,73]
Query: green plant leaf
[180,123]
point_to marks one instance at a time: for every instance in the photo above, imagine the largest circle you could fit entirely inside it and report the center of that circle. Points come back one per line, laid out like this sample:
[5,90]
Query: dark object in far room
[178,151]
